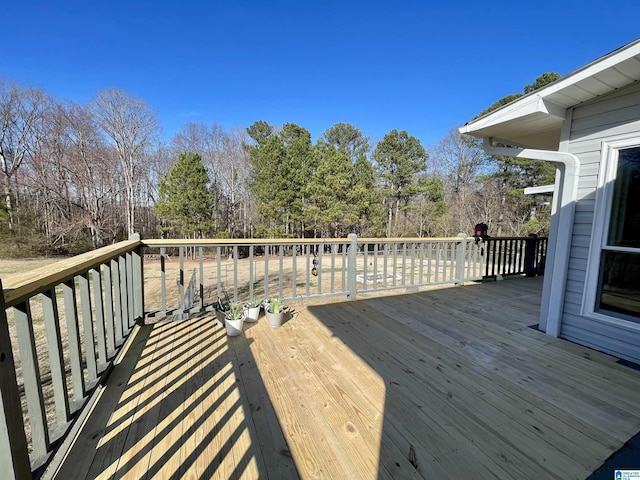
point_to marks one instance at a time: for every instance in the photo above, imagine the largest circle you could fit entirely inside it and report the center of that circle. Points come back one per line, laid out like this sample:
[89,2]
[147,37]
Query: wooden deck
[449,383]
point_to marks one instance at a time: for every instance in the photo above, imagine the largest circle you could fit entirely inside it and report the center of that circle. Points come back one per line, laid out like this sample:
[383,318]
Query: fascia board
[529,104]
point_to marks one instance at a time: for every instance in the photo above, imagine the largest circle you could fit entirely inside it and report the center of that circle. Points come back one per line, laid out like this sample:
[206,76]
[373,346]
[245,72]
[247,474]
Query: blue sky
[419,66]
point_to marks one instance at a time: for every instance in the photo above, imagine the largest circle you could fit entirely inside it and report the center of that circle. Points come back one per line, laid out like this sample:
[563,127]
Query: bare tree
[131,124]
[458,159]
[90,165]
[234,169]
[48,177]
[21,109]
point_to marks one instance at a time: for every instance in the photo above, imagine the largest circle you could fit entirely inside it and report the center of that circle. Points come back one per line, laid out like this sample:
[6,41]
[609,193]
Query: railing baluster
[494,266]
[460,254]
[280,273]
[124,304]
[365,269]
[352,266]
[201,285]
[138,283]
[251,277]
[163,279]
[308,271]
[31,379]
[344,267]
[506,257]
[235,273]
[413,264]
[73,333]
[384,268]
[108,310]
[395,264]
[446,256]
[219,270]
[453,262]
[14,456]
[56,358]
[266,272]
[404,264]
[87,323]
[181,279]
[96,280]
[421,264]
[294,271]
[130,289]
[512,258]
[466,269]
[334,247]
[438,253]
[117,301]
[319,249]
[374,284]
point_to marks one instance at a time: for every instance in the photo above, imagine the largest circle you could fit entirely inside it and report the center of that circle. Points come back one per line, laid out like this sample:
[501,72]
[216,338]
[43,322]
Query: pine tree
[185,199]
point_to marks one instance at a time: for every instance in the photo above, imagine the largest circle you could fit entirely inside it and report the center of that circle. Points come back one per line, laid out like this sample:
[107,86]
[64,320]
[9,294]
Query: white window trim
[600,227]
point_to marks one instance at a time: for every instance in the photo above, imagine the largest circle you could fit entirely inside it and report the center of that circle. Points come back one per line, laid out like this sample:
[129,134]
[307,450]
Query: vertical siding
[610,116]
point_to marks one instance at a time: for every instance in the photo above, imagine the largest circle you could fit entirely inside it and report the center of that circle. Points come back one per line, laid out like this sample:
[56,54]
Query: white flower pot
[274,319]
[234,327]
[251,314]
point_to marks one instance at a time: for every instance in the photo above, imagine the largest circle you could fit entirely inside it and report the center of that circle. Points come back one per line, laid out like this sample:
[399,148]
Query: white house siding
[610,116]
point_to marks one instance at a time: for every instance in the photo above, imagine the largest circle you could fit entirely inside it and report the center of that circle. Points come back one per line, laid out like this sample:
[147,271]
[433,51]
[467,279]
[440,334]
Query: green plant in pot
[252,310]
[234,318]
[275,313]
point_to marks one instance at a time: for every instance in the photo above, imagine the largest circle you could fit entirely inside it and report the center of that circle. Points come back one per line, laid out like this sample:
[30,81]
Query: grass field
[10,267]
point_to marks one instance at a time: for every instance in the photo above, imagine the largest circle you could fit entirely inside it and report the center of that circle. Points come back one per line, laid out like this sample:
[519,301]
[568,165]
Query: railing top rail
[514,238]
[410,239]
[213,242]
[24,285]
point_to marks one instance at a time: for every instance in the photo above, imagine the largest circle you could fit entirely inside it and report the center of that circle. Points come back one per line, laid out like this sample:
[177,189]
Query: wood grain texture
[20,286]
[449,383]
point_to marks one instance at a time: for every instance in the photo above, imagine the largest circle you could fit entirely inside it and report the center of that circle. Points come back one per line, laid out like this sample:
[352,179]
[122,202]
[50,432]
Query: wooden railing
[72,359]
[303,269]
[514,256]
[52,363]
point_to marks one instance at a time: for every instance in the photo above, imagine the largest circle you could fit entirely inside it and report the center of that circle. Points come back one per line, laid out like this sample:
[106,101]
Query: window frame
[609,155]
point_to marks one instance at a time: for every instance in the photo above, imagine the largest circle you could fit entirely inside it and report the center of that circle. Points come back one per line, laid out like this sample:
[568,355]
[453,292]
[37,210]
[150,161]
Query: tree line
[77,177]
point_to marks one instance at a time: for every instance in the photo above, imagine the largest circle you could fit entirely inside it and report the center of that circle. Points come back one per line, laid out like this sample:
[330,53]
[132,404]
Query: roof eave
[507,123]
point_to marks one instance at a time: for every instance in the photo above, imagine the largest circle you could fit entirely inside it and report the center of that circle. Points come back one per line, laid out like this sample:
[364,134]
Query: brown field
[15,266]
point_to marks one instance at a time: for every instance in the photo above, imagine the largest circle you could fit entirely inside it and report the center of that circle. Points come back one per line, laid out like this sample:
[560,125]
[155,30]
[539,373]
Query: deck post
[352,270]
[138,280]
[461,247]
[14,456]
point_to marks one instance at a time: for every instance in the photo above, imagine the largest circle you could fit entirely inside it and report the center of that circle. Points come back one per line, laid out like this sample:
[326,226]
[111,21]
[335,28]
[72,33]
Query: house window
[619,276]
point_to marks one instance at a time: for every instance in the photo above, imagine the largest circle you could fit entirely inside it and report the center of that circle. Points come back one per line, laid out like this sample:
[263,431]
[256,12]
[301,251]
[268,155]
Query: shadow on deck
[450,383]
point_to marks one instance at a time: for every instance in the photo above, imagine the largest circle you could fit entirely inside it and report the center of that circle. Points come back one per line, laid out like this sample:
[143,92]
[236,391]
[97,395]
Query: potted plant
[275,312]
[252,310]
[233,319]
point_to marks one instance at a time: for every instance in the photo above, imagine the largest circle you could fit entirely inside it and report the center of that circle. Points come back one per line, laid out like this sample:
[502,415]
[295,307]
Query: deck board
[449,383]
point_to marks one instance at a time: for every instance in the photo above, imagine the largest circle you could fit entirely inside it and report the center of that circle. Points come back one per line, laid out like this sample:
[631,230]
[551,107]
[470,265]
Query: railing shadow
[184,410]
